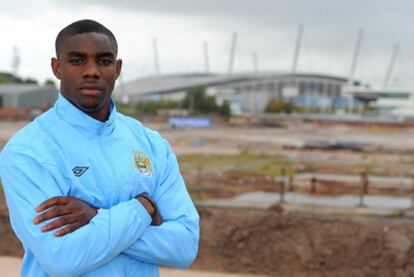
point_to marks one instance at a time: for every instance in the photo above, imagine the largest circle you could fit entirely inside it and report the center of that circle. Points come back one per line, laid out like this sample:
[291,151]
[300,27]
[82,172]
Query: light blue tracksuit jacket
[66,152]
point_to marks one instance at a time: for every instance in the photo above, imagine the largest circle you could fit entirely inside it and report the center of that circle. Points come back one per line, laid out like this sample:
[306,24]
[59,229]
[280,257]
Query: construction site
[320,185]
[291,197]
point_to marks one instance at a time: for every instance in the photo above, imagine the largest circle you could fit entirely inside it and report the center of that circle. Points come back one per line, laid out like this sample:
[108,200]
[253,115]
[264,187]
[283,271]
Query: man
[90,191]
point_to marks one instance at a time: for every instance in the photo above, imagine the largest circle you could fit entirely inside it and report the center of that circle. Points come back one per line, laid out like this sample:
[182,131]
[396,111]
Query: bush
[280,106]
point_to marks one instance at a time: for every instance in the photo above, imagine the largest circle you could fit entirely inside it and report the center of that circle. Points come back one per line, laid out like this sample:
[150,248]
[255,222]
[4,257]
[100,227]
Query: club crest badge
[142,163]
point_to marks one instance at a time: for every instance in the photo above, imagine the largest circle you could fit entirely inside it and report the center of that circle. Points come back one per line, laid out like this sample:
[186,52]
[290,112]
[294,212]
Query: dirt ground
[10,245]
[273,243]
[276,243]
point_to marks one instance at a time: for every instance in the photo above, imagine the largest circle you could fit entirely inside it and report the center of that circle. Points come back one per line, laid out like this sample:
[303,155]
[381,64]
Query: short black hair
[81,27]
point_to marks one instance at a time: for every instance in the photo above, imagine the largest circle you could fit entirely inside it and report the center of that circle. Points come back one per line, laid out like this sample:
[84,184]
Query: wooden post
[412,191]
[364,188]
[365,181]
[282,185]
[313,184]
[199,173]
[290,183]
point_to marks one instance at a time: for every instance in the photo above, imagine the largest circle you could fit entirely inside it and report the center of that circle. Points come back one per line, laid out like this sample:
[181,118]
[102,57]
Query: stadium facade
[247,93]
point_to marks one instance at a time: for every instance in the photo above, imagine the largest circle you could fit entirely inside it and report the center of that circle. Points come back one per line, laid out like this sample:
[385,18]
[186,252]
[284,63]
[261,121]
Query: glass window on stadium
[302,87]
[281,86]
[329,89]
[271,87]
[312,86]
[338,91]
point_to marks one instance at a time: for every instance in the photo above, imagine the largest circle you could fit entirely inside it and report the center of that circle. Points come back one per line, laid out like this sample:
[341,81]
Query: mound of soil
[10,245]
[273,243]
[295,244]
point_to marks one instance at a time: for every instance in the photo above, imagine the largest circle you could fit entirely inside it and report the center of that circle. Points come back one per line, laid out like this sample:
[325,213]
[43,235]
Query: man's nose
[91,70]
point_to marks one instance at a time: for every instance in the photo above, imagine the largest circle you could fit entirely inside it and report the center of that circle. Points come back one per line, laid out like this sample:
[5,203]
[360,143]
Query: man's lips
[91,90]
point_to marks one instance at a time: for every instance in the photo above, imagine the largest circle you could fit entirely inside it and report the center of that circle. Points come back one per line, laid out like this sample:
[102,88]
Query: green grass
[396,214]
[244,162]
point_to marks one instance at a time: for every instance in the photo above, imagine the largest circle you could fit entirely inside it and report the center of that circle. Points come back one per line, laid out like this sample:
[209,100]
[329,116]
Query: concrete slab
[263,201]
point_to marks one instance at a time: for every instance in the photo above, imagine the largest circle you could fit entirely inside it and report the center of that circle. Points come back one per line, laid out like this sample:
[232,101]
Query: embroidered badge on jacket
[142,163]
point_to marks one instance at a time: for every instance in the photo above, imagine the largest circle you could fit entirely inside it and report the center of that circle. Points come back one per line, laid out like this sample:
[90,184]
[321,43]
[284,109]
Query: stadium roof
[172,83]
[182,82]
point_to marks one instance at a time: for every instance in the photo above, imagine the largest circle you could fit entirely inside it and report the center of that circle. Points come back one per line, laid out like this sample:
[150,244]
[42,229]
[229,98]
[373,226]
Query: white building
[26,95]
[388,101]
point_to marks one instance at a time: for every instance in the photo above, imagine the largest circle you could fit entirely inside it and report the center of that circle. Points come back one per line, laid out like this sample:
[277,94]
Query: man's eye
[105,61]
[75,61]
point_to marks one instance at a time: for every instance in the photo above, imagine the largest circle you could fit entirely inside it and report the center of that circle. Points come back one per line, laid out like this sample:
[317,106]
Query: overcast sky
[268,27]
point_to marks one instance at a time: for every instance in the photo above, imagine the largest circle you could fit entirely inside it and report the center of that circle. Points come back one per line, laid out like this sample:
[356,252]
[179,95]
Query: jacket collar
[83,122]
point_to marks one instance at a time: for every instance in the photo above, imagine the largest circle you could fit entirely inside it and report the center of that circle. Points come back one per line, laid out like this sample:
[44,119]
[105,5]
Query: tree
[30,81]
[225,108]
[50,82]
[8,78]
[197,101]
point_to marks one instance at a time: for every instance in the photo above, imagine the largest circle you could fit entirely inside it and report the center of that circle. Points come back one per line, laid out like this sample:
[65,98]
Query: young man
[90,191]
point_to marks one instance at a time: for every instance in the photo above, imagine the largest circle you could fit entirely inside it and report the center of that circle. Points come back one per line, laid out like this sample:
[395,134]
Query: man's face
[87,68]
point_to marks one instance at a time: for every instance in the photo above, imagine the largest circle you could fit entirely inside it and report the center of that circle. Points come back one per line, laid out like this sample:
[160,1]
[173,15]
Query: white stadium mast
[156,57]
[297,48]
[255,63]
[206,57]
[391,65]
[15,61]
[353,68]
[232,53]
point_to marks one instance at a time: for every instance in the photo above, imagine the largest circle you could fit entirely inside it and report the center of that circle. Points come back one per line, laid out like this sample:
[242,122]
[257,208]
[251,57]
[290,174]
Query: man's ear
[118,67]
[56,68]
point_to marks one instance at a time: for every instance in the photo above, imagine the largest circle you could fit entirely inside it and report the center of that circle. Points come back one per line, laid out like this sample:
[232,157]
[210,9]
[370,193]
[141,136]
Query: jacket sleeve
[175,242]
[27,183]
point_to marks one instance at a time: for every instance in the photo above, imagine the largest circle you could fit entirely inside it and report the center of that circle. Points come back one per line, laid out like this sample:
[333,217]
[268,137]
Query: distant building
[386,101]
[26,95]
[247,93]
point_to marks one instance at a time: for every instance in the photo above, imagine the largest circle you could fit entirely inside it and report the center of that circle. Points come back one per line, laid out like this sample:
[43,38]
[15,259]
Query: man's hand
[72,212]
[151,208]
[147,205]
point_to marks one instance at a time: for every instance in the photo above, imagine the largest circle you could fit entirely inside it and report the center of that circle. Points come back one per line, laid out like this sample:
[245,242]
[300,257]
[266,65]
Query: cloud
[264,26]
